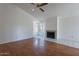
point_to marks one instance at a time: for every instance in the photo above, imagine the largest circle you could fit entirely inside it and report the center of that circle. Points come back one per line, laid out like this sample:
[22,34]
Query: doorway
[38,29]
[39,33]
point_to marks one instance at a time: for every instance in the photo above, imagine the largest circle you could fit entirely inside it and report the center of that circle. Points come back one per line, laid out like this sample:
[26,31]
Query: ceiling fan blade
[41,9]
[43,4]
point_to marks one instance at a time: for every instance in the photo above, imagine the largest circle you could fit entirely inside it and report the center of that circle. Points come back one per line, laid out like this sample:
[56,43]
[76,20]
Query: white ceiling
[52,9]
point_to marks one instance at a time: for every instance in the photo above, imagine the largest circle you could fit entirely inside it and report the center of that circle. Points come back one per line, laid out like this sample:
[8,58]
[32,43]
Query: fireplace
[51,34]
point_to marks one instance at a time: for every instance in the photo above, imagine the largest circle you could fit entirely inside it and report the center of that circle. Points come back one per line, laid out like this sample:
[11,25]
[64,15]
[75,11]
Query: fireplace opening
[51,34]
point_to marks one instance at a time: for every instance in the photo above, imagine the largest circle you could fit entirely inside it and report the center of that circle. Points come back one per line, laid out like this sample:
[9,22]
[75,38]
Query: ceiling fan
[40,5]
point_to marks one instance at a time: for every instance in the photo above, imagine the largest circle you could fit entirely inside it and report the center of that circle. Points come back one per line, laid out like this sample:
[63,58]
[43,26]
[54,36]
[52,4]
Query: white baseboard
[3,42]
[66,42]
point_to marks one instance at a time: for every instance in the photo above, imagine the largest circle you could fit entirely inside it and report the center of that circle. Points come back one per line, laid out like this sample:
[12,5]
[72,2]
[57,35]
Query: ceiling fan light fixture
[39,6]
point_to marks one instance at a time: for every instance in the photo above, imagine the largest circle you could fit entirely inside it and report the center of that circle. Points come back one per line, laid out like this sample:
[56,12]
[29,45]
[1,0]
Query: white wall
[51,23]
[69,30]
[15,24]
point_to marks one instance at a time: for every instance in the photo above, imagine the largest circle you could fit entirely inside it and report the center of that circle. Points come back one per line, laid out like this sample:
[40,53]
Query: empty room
[39,29]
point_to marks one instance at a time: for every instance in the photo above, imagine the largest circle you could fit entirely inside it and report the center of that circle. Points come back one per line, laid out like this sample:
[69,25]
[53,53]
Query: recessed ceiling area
[52,9]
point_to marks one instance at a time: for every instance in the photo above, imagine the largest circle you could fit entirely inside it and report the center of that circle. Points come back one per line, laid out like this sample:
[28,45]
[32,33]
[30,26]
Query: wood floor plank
[33,47]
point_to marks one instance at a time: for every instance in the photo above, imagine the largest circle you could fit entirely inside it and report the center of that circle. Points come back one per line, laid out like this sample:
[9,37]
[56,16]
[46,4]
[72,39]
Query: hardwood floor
[32,47]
